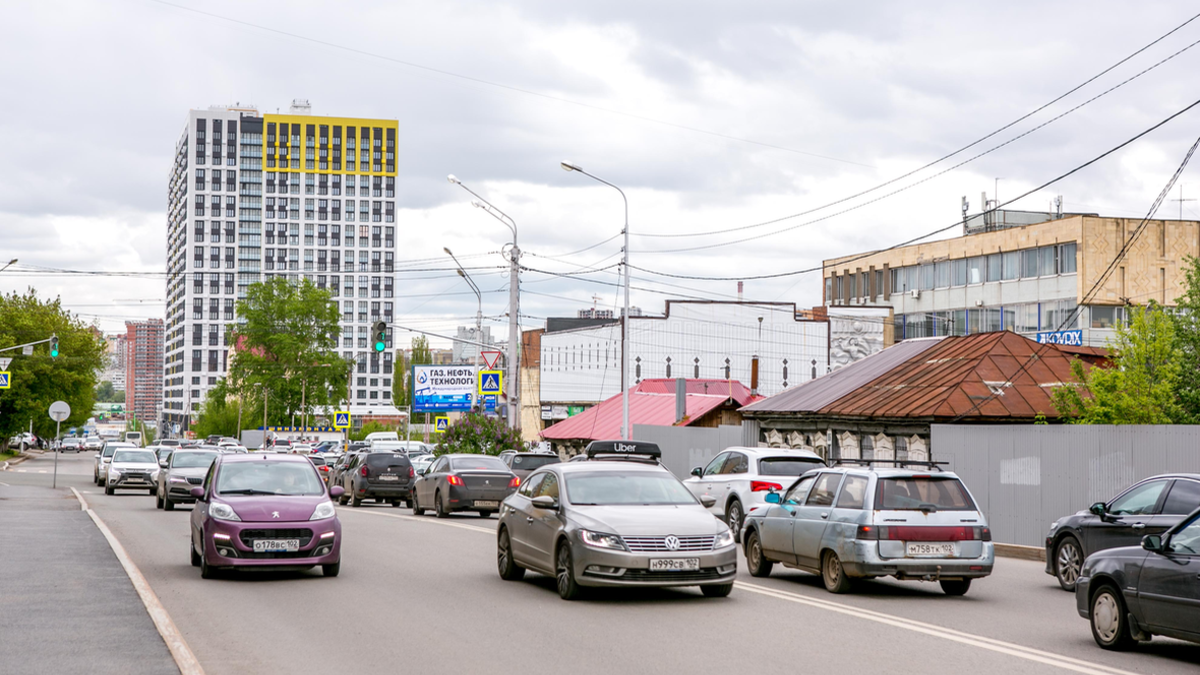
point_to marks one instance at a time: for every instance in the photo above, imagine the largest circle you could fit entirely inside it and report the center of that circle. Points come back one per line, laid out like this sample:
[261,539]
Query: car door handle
[1139,526]
[825,515]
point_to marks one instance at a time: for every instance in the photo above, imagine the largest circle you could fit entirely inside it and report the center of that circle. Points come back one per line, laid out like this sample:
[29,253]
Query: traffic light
[379,330]
[54,346]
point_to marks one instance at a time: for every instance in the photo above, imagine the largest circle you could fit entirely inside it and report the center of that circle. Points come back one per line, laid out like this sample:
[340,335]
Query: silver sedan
[613,523]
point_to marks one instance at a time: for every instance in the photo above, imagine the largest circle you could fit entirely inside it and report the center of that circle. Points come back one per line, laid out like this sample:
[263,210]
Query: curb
[1021,552]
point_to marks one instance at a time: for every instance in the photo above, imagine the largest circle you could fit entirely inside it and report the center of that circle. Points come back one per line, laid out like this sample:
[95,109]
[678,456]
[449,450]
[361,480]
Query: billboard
[443,388]
[1064,337]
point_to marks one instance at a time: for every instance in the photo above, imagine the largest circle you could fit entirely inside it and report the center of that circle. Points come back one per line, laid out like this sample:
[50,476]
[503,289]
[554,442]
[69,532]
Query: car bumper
[866,562]
[399,490]
[181,493]
[1050,556]
[224,545]
[1082,595]
[464,498]
[124,482]
[599,567]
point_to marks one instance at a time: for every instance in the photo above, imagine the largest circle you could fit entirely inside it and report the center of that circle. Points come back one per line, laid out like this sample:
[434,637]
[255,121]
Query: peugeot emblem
[275,514]
[672,542]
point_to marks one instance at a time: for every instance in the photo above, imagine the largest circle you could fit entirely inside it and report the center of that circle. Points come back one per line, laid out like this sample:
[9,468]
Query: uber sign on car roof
[640,448]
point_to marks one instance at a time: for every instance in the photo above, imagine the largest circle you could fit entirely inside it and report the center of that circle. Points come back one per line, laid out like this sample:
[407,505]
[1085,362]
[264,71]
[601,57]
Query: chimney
[740,287]
[680,399]
[754,375]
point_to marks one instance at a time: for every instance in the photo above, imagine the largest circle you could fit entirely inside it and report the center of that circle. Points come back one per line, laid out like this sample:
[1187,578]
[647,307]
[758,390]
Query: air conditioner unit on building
[979,303]
[915,293]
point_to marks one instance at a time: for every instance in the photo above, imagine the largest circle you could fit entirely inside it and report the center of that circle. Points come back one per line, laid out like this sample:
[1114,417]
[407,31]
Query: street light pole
[626,430]
[514,305]
[478,314]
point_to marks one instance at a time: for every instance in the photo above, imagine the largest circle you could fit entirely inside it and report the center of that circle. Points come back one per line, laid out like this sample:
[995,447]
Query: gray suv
[860,521]
[181,471]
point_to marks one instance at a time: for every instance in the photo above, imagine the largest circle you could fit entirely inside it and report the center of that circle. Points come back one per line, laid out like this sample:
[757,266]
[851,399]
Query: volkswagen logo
[672,542]
[275,514]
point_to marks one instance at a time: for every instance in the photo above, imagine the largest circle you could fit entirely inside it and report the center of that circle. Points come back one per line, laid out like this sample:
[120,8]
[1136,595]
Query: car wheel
[564,574]
[355,501]
[757,563]
[733,518]
[717,590]
[1110,626]
[168,505]
[1068,558]
[206,572]
[509,569]
[108,490]
[417,510]
[485,514]
[438,507]
[396,503]
[955,586]
[343,499]
[158,500]
[332,569]
[833,574]
[195,556]
[152,492]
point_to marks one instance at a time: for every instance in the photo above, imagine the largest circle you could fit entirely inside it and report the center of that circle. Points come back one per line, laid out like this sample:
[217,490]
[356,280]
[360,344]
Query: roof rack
[895,463]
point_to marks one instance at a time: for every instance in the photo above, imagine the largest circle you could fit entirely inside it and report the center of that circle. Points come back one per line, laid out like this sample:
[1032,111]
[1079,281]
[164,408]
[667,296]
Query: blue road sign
[5,379]
[490,382]
[341,420]
[441,424]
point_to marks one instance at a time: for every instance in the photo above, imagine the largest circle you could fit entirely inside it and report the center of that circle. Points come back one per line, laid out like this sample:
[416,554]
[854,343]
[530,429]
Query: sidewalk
[66,604]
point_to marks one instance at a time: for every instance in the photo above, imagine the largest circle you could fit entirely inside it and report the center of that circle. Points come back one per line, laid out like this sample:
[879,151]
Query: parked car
[300,449]
[171,442]
[463,482]
[739,479]
[182,470]
[851,522]
[337,468]
[322,467]
[264,511]
[70,444]
[382,476]
[614,523]
[93,443]
[524,463]
[382,436]
[1133,593]
[1150,506]
[22,441]
[421,462]
[104,457]
[131,469]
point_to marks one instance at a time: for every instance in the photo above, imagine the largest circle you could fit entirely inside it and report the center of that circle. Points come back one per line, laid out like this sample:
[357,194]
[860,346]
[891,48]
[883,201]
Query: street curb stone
[1021,552]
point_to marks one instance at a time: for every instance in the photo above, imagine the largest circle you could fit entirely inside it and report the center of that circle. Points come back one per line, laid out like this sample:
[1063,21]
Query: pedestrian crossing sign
[441,424]
[490,382]
[5,379]
[341,420]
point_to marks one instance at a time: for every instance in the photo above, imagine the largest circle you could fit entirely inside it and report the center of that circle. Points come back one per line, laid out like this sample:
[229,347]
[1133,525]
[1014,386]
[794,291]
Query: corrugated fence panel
[686,447]
[1027,476]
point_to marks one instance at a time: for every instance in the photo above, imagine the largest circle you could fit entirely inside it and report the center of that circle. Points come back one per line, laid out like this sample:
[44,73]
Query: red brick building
[144,368]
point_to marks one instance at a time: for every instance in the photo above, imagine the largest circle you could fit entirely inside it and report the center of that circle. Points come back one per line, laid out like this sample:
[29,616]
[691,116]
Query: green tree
[1140,388]
[1187,338]
[401,385]
[219,414]
[39,380]
[105,392]
[478,433]
[287,345]
[369,428]
[118,397]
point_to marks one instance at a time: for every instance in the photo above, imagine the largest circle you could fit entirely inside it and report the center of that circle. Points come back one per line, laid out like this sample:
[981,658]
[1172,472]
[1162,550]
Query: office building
[293,195]
[144,369]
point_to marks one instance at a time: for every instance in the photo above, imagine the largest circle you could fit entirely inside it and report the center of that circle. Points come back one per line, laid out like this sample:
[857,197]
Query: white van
[382,436]
[134,437]
[411,448]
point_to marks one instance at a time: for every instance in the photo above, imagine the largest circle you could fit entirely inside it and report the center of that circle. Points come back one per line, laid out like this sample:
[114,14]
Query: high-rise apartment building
[298,196]
[144,368]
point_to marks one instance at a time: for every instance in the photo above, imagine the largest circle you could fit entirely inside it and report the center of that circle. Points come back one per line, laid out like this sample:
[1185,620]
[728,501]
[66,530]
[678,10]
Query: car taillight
[411,472]
[867,532]
[764,486]
[454,480]
[983,533]
[934,533]
[515,482]
[363,470]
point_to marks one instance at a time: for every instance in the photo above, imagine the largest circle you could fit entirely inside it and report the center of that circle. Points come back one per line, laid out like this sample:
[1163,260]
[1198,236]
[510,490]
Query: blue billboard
[1063,337]
[443,388]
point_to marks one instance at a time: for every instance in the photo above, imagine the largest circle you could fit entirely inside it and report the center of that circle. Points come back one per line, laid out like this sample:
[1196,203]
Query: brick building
[144,368]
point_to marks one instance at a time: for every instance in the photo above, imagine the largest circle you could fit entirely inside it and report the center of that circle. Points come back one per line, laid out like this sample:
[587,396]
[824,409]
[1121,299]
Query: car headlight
[599,540]
[323,511]
[724,539]
[114,473]
[178,479]
[1054,526]
[222,512]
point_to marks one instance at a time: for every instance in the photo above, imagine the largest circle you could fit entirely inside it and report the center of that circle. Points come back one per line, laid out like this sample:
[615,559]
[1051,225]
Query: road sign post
[59,411]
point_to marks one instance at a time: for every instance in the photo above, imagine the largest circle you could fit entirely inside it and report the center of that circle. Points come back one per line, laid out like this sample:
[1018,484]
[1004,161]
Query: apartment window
[1046,261]
[337,182]
[1029,263]
[391,187]
[214,308]
[1066,258]
[976,270]
[228,309]
[926,281]
[231,180]
[350,183]
[994,267]
[214,283]
[942,274]
[198,282]
[1105,316]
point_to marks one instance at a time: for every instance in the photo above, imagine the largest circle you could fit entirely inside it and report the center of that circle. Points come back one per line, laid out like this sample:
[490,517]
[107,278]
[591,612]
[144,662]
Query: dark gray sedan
[463,483]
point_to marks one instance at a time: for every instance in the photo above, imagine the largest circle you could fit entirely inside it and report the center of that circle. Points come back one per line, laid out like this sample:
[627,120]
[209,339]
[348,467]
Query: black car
[1133,593]
[1151,506]
[463,483]
[382,476]
[525,463]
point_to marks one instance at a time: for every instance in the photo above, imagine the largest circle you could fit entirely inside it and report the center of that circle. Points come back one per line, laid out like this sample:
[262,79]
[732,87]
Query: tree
[478,433]
[105,392]
[219,415]
[1187,337]
[369,428]
[39,380]
[401,386]
[1141,386]
[286,345]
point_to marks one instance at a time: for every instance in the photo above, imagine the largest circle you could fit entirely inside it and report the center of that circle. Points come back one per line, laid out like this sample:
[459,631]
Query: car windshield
[143,456]
[182,459]
[164,453]
[611,488]
[922,493]
[480,463]
[269,478]
[786,466]
[531,462]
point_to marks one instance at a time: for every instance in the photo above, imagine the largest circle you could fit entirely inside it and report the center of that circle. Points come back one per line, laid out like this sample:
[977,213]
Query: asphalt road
[422,595]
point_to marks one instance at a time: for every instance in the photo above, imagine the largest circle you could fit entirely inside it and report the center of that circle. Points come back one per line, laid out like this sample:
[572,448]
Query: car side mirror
[1098,509]
[772,498]
[1153,543]
[337,491]
[698,471]
[707,501]
[545,502]
[163,463]
[198,493]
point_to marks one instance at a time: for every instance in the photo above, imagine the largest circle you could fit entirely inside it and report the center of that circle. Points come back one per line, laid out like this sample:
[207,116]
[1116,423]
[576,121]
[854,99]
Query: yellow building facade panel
[333,151]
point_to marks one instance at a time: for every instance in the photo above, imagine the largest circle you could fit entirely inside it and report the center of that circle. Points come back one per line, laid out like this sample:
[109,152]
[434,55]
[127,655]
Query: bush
[478,433]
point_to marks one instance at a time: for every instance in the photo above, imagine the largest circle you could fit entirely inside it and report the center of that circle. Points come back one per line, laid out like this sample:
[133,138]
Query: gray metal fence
[1026,477]
[687,447]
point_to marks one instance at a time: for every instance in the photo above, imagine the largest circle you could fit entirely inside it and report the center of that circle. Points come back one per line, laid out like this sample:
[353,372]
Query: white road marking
[185,660]
[5,484]
[22,471]
[420,519]
[43,471]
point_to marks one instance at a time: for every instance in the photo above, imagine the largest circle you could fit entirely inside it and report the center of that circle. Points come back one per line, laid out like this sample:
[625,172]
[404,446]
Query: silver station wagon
[856,521]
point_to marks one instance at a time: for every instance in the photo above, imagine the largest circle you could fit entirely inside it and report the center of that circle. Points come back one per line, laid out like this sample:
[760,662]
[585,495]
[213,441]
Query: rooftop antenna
[1058,209]
[1181,200]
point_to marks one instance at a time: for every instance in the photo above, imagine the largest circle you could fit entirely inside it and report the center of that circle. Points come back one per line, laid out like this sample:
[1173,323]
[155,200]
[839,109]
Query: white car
[739,479]
[132,469]
[104,457]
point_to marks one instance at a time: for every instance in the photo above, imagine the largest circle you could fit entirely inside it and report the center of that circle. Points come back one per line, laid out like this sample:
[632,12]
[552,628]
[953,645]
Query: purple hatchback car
[265,512]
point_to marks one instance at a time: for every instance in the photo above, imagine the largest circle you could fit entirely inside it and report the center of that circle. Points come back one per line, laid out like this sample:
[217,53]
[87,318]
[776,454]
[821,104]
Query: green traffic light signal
[380,331]
[54,346]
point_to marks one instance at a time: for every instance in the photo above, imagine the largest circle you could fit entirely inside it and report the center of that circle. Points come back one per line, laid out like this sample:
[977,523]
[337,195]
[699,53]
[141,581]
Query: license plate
[276,545]
[931,550]
[388,476]
[675,564]
[486,504]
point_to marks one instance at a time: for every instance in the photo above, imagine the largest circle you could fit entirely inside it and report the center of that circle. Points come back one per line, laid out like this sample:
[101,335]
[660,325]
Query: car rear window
[531,462]
[919,493]
[786,466]
[481,463]
[316,460]
[388,459]
[143,456]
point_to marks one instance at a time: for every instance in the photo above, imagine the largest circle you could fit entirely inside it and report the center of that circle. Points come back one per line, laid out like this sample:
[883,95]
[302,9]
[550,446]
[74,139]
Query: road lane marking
[990,644]
[422,519]
[22,471]
[5,484]
[185,660]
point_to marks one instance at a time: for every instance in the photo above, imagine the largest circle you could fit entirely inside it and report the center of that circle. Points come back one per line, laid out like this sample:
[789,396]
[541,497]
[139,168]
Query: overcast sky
[709,115]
